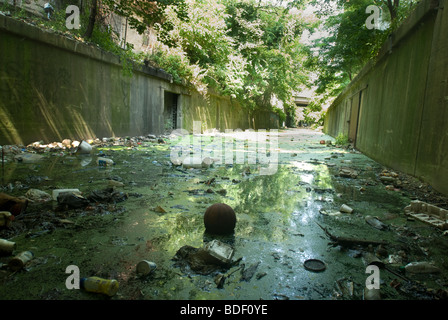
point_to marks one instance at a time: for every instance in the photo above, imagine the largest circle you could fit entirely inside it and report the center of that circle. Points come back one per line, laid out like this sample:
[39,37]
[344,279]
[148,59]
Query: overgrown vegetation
[347,44]
[245,49]
[341,139]
[250,50]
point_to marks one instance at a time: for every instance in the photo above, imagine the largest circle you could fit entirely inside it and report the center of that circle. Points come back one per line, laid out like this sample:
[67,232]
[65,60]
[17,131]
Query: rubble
[348,173]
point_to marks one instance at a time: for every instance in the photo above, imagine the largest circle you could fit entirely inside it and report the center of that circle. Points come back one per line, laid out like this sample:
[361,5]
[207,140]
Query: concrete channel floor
[281,217]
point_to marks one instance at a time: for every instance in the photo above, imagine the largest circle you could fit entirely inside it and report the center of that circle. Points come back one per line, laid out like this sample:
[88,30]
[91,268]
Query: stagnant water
[278,224]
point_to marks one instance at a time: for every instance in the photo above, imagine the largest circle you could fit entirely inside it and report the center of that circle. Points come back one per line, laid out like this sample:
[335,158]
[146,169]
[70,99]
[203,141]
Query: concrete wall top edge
[422,11]
[35,33]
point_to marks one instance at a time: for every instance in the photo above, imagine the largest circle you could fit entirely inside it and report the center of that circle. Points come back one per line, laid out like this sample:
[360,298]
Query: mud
[158,208]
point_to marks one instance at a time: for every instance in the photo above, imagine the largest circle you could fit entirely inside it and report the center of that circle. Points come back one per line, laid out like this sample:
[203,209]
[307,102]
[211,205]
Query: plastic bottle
[20,260]
[100,285]
[420,267]
[7,247]
[104,162]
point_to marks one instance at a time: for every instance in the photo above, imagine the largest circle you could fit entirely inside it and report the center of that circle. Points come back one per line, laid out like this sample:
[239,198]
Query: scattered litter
[56,192]
[376,223]
[199,260]
[105,162]
[329,212]
[145,267]
[421,267]
[28,158]
[387,179]
[84,148]
[6,218]
[13,204]
[345,208]
[159,209]
[247,274]
[219,250]
[72,200]
[348,173]
[428,213]
[38,195]
[314,265]
[346,241]
[108,195]
[99,285]
[115,183]
[345,287]
[20,260]
[6,247]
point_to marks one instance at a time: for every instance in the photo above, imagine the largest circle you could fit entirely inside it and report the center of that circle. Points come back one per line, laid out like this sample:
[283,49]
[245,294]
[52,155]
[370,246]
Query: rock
[387,179]
[67,143]
[108,195]
[72,200]
[247,274]
[195,162]
[348,173]
[115,183]
[220,218]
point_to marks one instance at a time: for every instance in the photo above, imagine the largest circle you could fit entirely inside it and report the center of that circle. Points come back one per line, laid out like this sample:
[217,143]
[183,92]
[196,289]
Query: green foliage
[281,115]
[243,49]
[341,139]
[177,64]
[142,13]
[339,56]
[266,40]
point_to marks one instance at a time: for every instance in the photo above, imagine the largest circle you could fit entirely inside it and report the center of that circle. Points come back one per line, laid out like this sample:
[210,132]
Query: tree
[140,13]
[92,19]
[244,49]
[266,39]
[339,56]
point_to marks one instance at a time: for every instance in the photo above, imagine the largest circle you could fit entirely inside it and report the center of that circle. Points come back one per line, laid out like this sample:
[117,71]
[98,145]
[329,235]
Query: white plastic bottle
[421,267]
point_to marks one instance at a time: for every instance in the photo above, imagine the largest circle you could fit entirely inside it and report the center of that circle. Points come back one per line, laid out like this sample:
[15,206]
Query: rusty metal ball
[219,218]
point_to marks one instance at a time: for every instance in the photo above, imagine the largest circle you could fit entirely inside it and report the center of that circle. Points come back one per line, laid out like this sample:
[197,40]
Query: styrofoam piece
[428,213]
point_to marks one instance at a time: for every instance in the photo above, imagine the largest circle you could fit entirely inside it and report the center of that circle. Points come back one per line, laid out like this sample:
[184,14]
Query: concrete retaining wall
[53,87]
[396,109]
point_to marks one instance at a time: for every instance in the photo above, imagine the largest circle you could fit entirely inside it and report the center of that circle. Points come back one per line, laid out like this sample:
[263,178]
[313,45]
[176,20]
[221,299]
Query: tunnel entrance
[171,111]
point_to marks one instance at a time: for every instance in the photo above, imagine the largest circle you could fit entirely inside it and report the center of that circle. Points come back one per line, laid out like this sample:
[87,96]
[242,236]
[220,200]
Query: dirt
[155,208]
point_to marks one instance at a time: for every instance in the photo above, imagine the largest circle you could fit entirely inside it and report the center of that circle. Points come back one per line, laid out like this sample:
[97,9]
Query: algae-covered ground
[281,217]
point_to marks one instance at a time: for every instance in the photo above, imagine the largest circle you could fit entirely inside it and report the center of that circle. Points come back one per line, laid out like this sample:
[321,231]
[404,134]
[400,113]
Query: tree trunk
[92,19]
[393,8]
